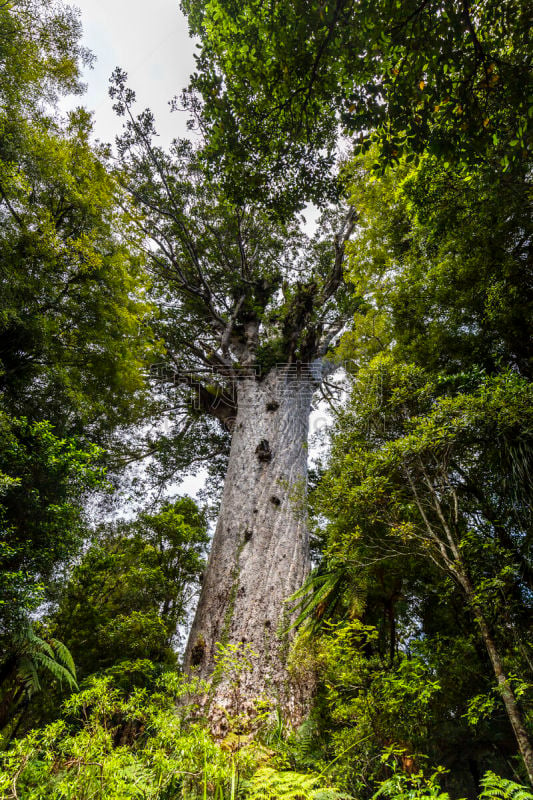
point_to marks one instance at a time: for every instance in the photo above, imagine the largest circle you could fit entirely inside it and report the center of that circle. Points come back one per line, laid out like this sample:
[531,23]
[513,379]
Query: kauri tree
[249,308]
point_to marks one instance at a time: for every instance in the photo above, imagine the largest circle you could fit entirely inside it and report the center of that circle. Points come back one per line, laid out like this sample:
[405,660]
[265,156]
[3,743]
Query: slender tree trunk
[509,700]
[511,706]
[260,550]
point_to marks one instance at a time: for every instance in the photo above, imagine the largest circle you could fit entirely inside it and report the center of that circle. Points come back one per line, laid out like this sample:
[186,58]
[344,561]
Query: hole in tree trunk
[263,451]
[198,651]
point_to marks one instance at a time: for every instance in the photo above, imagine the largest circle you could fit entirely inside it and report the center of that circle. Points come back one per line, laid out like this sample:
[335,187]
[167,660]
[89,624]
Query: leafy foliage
[42,527]
[269,784]
[74,340]
[51,656]
[42,521]
[73,313]
[139,743]
[131,591]
[402,786]
[428,531]
[443,274]
[417,620]
[494,786]
[276,83]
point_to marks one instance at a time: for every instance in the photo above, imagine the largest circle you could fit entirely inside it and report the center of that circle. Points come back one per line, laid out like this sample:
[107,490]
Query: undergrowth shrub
[120,743]
[113,744]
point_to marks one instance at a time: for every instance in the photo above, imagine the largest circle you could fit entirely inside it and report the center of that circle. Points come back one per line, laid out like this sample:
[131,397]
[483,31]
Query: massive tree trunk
[260,550]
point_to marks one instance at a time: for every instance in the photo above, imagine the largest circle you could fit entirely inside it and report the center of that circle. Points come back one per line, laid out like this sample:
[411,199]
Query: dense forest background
[407,125]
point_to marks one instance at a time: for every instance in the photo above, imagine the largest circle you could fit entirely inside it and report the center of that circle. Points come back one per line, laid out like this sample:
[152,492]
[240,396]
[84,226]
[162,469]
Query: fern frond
[496,788]
[270,784]
[28,674]
[29,636]
[63,654]
[306,735]
[59,672]
[321,592]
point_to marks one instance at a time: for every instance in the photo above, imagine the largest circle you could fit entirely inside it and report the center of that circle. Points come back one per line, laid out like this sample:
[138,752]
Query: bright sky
[150,41]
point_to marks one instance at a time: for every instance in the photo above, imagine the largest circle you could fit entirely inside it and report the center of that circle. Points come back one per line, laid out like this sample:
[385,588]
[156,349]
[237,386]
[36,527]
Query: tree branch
[335,277]
[226,336]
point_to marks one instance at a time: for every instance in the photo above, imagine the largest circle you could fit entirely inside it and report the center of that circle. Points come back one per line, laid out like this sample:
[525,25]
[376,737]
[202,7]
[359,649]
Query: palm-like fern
[497,788]
[37,655]
[324,593]
[31,658]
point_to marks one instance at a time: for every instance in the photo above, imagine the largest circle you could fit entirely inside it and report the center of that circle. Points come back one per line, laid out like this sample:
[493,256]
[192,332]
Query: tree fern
[323,593]
[57,670]
[271,784]
[33,643]
[27,674]
[36,654]
[63,654]
[496,788]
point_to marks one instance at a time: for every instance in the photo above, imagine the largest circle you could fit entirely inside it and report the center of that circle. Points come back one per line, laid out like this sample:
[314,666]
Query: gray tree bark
[260,550]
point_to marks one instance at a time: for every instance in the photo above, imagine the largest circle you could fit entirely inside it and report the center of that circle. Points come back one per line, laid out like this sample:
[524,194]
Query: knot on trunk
[263,451]
[272,405]
[198,652]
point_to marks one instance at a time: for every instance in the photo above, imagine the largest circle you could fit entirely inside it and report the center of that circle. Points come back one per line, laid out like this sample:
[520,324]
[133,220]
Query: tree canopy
[276,84]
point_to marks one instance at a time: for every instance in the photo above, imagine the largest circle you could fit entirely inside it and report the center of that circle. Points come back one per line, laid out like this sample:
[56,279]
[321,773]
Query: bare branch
[335,277]
[14,214]
[226,336]
[432,535]
[245,271]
